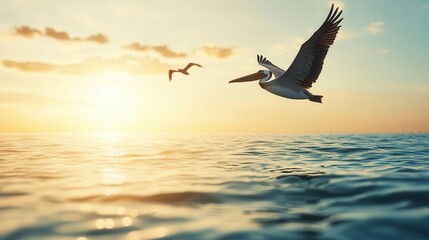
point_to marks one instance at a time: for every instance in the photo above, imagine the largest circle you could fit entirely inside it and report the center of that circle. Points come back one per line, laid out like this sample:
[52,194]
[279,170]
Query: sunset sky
[103,66]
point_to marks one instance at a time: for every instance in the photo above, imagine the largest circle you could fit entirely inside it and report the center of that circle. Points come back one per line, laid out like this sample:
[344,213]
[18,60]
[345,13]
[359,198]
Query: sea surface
[137,186]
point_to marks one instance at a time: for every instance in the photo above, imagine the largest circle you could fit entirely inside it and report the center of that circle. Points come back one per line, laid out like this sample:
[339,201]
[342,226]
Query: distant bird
[184,70]
[306,67]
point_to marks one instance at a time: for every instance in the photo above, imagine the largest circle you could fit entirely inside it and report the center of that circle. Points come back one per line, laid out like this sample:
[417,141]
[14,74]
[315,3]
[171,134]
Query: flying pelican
[305,69]
[184,70]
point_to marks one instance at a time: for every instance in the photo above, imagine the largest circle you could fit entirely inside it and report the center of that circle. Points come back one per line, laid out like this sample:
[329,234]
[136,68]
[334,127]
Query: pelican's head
[262,75]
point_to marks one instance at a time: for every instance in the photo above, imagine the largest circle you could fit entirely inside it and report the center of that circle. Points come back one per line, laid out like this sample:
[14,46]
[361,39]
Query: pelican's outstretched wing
[190,65]
[270,66]
[306,67]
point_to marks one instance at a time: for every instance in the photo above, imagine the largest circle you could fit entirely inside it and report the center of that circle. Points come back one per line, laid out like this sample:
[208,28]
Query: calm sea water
[107,186]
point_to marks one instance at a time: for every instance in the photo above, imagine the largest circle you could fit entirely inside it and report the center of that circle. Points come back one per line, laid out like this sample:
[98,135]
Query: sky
[102,66]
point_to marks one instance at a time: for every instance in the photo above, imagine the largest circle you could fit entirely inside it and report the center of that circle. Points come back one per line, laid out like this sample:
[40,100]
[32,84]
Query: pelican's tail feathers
[316,98]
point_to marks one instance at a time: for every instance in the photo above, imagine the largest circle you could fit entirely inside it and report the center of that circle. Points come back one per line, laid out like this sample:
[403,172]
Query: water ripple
[113,186]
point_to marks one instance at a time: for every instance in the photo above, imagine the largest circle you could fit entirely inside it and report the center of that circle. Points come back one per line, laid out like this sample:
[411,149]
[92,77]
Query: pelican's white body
[274,86]
[286,92]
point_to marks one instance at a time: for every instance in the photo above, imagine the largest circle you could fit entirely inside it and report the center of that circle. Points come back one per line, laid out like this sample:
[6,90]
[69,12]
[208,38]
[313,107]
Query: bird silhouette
[184,70]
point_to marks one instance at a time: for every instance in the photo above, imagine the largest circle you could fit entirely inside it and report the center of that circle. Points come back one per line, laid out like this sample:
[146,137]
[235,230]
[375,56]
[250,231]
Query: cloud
[28,32]
[346,34]
[30,66]
[63,36]
[383,51]
[164,50]
[218,52]
[128,64]
[343,34]
[26,98]
[375,27]
[98,38]
[425,6]
[138,47]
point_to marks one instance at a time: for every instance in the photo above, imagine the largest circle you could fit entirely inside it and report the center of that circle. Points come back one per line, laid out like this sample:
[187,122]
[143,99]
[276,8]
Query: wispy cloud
[218,52]
[383,51]
[163,50]
[26,98]
[425,6]
[138,47]
[343,34]
[347,34]
[128,64]
[375,27]
[28,32]
[30,66]
[166,52]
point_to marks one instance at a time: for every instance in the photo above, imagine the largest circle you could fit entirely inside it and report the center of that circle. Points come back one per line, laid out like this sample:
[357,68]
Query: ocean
[230,186]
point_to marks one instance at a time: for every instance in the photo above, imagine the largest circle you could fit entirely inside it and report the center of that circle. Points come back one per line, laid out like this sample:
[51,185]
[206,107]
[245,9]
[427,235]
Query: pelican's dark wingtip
[261,58]
[330,12]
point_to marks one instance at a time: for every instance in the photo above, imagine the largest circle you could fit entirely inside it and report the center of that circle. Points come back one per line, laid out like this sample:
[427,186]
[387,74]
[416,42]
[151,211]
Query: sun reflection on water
[152,233]
[111,176]
[120,211]
[126,221]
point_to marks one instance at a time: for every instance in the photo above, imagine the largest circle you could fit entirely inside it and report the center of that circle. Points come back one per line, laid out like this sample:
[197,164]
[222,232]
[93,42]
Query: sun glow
[114,102]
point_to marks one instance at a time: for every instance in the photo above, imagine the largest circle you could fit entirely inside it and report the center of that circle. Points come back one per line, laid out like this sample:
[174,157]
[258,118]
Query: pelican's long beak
[251,77]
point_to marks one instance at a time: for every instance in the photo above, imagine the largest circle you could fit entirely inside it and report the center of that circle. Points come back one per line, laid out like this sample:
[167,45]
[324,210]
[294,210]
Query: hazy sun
[111,96]
[114,100]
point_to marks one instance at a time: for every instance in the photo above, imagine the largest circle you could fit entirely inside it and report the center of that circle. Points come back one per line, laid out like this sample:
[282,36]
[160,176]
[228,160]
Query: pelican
[305,68]
[184,70]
